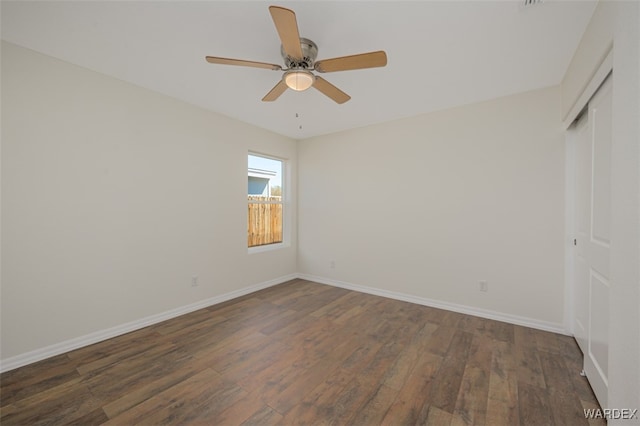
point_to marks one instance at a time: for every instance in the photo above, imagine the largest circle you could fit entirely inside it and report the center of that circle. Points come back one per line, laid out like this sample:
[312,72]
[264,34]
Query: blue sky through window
[256,162]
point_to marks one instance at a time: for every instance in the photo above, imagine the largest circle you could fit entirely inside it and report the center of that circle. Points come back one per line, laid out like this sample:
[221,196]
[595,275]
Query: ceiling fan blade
[275,93]
[287,26]
[240,62]
[330,90]
[353,62]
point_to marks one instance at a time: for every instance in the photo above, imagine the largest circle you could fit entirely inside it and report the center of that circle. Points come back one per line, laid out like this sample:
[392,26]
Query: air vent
[530,3]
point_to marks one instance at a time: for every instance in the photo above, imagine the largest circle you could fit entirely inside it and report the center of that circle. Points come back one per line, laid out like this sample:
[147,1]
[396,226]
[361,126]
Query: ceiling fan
[299,56]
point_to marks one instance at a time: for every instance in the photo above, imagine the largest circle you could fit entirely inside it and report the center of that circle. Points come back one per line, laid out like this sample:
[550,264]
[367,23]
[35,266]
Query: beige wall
[617,24]
[113,197]
[429,206]
[593,48]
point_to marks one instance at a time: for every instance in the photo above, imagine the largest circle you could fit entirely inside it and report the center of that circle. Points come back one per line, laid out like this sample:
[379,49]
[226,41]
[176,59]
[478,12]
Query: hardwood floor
[306,353]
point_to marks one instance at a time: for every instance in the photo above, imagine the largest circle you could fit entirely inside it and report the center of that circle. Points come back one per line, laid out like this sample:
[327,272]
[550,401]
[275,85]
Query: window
[265,200]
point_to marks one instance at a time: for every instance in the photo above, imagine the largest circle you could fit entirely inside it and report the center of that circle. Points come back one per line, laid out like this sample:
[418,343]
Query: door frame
[599,76]
[604,71]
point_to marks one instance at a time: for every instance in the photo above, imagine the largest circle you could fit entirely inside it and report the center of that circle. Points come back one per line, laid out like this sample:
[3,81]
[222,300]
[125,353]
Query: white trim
[267,247]
[98,336]
[569,230]
[605,67]
[89,339]
[463,309]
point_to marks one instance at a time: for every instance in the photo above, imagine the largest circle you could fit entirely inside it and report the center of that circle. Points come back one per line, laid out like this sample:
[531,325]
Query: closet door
[582,137]
[593,227]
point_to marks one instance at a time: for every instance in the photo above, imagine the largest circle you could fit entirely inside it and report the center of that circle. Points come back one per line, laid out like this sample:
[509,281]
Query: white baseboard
[98,336]
[89,339]
[469,310]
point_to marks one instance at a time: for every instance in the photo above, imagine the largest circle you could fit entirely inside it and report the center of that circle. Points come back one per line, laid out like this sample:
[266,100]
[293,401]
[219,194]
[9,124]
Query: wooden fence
[264,220]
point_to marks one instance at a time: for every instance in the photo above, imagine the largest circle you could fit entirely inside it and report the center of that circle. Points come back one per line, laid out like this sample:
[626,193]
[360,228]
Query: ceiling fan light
[299,80]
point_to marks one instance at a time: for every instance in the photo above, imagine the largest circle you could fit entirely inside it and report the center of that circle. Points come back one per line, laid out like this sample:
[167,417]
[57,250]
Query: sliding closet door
[582,137]
[593,237]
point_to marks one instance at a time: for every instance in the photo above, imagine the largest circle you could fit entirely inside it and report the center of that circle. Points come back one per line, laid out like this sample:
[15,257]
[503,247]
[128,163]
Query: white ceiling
[441,54]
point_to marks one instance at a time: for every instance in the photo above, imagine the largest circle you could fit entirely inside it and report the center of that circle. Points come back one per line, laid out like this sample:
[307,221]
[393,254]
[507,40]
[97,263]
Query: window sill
[268,247]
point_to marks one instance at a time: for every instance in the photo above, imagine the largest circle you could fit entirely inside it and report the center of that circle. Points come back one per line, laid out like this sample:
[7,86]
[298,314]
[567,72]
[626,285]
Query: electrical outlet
[194,281]
[483,285]
[332,264]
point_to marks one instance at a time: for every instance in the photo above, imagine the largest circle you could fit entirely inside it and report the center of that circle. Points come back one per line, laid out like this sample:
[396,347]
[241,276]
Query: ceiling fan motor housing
[309,55]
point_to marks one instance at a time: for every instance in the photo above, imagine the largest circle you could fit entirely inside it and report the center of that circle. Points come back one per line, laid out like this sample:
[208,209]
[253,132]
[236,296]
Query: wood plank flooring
[306,353]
